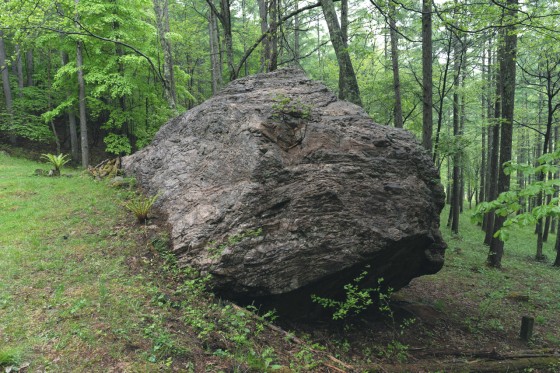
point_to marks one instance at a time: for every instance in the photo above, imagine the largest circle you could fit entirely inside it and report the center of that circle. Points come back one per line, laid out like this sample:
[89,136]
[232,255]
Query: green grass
[498,297]
[64,282]
[83,287]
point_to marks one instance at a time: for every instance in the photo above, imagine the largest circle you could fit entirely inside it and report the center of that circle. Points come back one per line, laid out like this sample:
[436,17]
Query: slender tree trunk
[29,63]
[495,147]
[6,83]
[225,20]
[508,102]
[297,25]
[161,8]
[541,230]
[74,145]
[557,246]
[49,101]
[216,66]
[344,35]
[427,117]
[82,102]
[398,116]
[245,29]
[351,89]
[442,98]
[273,13]
[456,194]
[489,132]
[263,14]
[19,69]
[556,176]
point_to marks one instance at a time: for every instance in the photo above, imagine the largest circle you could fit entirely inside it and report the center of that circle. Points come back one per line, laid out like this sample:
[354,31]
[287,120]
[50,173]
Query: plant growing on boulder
[140,206]
[285,106]
[57,161]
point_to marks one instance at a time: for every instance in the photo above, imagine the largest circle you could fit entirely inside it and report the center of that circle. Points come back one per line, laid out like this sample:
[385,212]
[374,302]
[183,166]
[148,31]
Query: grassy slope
[82,289]
[67,300]
[85,288]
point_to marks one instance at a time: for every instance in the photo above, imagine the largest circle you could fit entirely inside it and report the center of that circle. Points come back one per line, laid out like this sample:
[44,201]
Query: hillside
[83,287]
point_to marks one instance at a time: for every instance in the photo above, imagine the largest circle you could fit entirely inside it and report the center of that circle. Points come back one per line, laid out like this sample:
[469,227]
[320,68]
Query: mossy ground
[83,287]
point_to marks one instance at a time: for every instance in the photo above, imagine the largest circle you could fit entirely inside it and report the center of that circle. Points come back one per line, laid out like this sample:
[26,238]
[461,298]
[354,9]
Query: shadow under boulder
[279,190]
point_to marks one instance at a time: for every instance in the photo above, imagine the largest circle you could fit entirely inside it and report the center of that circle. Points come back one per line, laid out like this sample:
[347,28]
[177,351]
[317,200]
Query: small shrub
[57,161]
[285,107]
[141,206]
[357,299]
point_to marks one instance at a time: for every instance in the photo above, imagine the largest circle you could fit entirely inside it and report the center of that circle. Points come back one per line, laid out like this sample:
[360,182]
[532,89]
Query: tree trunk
[557,246]
[74,146]
[297,25]
[19,69]
[216,66]
[351,89]
[273,13]
[6,84]
[225,20]
[49,102]
[427,117]
[29,63]
[489,130]
[344,34]
[456,194]
[494,137]
[82,102]
[161,8]
[398,117]
[508,102]
[263,14]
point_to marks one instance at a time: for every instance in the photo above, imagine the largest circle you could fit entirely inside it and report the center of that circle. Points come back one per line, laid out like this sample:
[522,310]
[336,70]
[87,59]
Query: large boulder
[277,188]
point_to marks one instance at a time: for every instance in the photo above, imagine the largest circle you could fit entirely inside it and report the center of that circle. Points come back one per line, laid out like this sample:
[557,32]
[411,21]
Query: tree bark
[427,116]
[494,139]
[263,15]
[508,67]
[19,69]
[398,116]
[29,63]
[350,89]
[74,145]
[344,35]
[216,66]
[82,101]
[161,8]
[456,194]
[297,25]
[273,13]
[6,84]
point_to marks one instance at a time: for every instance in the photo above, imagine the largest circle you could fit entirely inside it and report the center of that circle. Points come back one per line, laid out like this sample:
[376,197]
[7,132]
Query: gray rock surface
[276,187]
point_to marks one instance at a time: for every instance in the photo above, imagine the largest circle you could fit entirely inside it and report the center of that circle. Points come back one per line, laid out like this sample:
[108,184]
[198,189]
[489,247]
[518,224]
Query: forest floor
[83,287]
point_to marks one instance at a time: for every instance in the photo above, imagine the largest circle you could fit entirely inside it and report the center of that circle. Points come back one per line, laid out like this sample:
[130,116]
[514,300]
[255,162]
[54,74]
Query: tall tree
[507,75]
[6,83]
[84,140]
[427,116]
[398,115]
[161,8]
[215,60]
[351,91]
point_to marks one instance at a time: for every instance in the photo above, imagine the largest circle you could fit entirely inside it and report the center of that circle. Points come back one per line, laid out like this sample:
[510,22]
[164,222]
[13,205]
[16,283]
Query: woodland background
[477,81]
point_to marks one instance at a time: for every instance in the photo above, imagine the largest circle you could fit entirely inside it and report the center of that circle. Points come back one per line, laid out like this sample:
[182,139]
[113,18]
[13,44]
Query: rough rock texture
[276,187]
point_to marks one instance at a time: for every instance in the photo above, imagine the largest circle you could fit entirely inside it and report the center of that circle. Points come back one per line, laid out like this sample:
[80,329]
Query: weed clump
[140,206]
[57,161]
